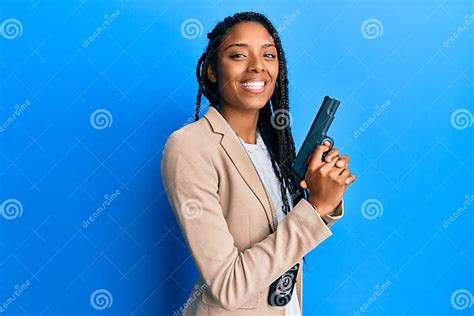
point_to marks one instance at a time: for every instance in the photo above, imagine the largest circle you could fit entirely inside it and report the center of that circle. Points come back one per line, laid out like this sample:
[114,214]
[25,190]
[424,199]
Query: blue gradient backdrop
[90,91]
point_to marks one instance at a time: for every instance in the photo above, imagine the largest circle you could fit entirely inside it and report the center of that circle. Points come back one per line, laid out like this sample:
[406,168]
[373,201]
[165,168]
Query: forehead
[251,33]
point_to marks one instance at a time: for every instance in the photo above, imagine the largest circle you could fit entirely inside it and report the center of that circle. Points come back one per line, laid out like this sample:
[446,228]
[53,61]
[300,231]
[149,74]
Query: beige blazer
[229,221]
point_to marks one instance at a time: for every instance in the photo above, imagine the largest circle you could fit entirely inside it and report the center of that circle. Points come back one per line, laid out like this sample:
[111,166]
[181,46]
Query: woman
[242,211]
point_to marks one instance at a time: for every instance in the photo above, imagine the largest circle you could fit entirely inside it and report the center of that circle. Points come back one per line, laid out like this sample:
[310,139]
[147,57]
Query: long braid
[279,140]
[201,86]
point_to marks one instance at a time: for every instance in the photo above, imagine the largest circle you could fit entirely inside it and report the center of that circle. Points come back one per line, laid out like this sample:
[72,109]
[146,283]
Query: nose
[256,64]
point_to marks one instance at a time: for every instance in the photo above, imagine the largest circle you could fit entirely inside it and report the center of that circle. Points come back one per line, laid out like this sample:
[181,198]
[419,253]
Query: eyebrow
[246,45]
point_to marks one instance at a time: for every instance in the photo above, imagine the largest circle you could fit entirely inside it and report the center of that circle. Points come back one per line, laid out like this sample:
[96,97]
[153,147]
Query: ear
[211,75]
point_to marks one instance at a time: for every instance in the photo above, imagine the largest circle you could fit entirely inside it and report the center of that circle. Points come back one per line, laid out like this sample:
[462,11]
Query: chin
[255,104]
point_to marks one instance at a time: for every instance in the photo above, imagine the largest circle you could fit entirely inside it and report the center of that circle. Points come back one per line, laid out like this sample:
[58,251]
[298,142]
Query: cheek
[230,70]
[274,73]
[271,91]
[274,70]
[231,74]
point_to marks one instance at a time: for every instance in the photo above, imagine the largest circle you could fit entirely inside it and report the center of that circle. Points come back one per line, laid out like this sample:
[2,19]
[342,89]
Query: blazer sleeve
[233,277]
[336,215]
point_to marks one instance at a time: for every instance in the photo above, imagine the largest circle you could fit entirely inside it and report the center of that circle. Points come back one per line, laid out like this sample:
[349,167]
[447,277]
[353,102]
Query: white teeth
[253,84]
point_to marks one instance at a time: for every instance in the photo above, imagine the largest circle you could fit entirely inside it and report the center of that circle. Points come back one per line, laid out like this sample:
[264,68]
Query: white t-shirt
[262,161]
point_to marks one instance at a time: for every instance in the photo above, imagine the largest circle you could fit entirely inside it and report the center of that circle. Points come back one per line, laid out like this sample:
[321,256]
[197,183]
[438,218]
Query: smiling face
[247,67]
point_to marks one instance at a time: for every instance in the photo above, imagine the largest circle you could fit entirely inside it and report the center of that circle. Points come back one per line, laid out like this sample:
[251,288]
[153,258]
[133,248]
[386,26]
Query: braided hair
[276,136]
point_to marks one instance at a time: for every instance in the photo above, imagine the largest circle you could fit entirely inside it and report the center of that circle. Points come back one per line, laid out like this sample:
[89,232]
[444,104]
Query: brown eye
[235,55]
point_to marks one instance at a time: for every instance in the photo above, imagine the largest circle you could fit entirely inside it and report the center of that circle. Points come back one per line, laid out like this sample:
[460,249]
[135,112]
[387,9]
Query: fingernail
[329,158]
[340,163]
[348,180]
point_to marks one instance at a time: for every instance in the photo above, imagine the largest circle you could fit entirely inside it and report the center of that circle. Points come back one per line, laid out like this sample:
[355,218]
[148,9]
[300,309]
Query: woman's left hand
[341,164]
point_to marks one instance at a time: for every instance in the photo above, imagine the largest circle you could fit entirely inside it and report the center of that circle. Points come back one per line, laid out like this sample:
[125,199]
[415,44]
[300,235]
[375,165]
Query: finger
[349,180]
[330,164]
[303,184]
[316,158]
[346,160]
[345,175]
[334,174]
[342,163]
[331,155]
[326,152]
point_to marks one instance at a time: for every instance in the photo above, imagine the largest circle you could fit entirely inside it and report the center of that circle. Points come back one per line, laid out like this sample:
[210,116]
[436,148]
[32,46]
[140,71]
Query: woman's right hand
[326,180]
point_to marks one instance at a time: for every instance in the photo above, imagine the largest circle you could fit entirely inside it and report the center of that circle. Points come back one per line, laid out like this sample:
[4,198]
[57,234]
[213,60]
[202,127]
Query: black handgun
[316,135]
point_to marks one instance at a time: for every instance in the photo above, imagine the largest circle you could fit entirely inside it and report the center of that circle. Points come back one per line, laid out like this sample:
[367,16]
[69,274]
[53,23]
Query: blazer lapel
[240,159]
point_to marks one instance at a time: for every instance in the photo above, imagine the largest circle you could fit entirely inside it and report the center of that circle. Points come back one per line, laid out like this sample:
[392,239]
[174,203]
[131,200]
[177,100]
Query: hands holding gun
[326,178]
[321,170]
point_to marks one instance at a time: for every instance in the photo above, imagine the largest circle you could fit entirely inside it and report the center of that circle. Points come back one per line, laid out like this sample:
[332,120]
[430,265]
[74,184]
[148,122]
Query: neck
[243,122]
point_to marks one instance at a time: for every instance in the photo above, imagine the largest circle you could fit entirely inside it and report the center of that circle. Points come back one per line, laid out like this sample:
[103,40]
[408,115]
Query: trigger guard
[331,141]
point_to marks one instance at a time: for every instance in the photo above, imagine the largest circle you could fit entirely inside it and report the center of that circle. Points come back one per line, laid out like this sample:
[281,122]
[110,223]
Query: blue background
[408,91]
